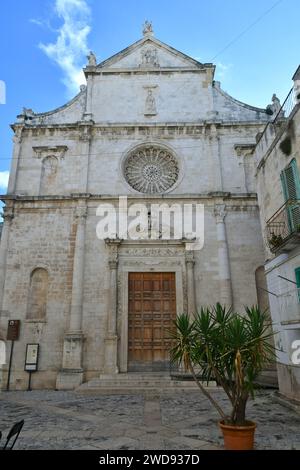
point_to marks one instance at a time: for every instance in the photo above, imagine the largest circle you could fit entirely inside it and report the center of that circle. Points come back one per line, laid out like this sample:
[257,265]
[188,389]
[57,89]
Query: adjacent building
[277,155]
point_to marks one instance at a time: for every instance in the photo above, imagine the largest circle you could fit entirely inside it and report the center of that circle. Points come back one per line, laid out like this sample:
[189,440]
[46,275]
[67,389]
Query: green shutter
[291,190]
[290,181]
[297,276]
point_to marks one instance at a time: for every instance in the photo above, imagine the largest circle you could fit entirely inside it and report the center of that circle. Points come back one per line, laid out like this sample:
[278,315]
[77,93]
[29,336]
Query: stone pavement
[166,421]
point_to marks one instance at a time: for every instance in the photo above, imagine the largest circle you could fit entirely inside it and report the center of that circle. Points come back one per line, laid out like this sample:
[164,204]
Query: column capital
[18,129]
[80,212]
[220,213]
[189,257]
[113,246]
[8,214]
[113,263]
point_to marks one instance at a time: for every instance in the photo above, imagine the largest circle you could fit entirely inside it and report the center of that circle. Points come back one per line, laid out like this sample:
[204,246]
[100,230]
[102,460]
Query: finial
[147,28]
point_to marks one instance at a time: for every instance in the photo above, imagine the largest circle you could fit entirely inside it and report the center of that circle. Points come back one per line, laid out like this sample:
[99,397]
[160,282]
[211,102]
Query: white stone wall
[209,133]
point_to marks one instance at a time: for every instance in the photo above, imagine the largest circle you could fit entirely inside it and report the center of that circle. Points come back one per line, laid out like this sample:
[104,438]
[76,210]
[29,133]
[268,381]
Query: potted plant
[275,240]
[232,349]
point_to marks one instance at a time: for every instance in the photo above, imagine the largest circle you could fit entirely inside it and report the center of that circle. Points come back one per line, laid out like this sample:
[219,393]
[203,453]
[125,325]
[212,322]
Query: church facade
[153,127]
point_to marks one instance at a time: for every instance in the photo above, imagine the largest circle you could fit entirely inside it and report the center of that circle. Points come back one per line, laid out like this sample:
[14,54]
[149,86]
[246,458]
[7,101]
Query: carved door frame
[168,259]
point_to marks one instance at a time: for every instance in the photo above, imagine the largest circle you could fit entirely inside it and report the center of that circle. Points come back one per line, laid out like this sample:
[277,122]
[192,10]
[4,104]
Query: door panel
[152,309]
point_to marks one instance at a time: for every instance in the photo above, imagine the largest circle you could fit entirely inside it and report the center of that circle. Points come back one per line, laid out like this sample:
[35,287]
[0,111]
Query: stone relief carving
[149,57]
[150,104]
[151,251]
[150,262]
[151,169]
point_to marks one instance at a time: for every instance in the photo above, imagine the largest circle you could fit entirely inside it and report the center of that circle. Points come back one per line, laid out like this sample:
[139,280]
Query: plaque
[13,330]
[32,357]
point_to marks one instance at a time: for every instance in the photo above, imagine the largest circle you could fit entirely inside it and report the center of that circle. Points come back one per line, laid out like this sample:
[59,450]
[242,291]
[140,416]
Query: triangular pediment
[150,53]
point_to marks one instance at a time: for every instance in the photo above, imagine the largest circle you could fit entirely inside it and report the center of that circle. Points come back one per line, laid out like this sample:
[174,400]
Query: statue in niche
[150,106]
[92,61]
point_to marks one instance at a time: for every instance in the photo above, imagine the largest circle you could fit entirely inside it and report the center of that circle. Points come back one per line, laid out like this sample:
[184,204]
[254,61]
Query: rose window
[151,169]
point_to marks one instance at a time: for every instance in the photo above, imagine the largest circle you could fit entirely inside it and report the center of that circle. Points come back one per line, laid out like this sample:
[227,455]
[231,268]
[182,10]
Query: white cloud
[37,22]
[4,179]
[71,47]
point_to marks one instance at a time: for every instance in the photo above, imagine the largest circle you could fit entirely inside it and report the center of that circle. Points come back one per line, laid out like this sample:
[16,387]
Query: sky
[43,46]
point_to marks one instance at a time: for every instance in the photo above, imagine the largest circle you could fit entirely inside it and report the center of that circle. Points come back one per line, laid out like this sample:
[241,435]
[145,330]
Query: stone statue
[150,106]
[275,104]
[92,61]
[28,112]
[275,107]
[147,28]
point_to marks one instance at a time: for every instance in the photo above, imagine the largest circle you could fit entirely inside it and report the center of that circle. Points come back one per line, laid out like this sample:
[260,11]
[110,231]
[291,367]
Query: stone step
[139,382]
[128,391]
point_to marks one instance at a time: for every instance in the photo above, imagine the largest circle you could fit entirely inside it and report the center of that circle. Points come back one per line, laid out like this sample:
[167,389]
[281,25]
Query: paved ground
[184,420]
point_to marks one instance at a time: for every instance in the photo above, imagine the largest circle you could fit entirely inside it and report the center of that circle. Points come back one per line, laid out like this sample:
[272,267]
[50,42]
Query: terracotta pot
[238,437]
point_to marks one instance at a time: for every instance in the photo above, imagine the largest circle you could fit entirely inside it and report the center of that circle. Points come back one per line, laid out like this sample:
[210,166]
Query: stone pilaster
[223,255]
[215,149]
[189,262]
[111,340]
[17,139]
[8,217]
[88,115]
[85,138]
[71,374]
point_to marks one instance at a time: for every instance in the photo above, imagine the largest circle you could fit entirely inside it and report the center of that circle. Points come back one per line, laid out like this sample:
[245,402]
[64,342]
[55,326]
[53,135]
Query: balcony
[283,228]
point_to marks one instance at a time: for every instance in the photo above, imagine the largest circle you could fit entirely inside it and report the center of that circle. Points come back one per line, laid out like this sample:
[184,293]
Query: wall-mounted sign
[32,357]
[13,330]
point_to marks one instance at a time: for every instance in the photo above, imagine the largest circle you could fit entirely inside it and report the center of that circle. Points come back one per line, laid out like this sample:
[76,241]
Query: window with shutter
[291,189]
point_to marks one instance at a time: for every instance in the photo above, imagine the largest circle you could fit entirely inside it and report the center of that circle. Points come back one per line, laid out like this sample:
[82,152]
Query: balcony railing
[284,224]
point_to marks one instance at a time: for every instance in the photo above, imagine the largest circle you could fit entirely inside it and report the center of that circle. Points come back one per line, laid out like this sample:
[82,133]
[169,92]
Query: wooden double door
[152,309]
